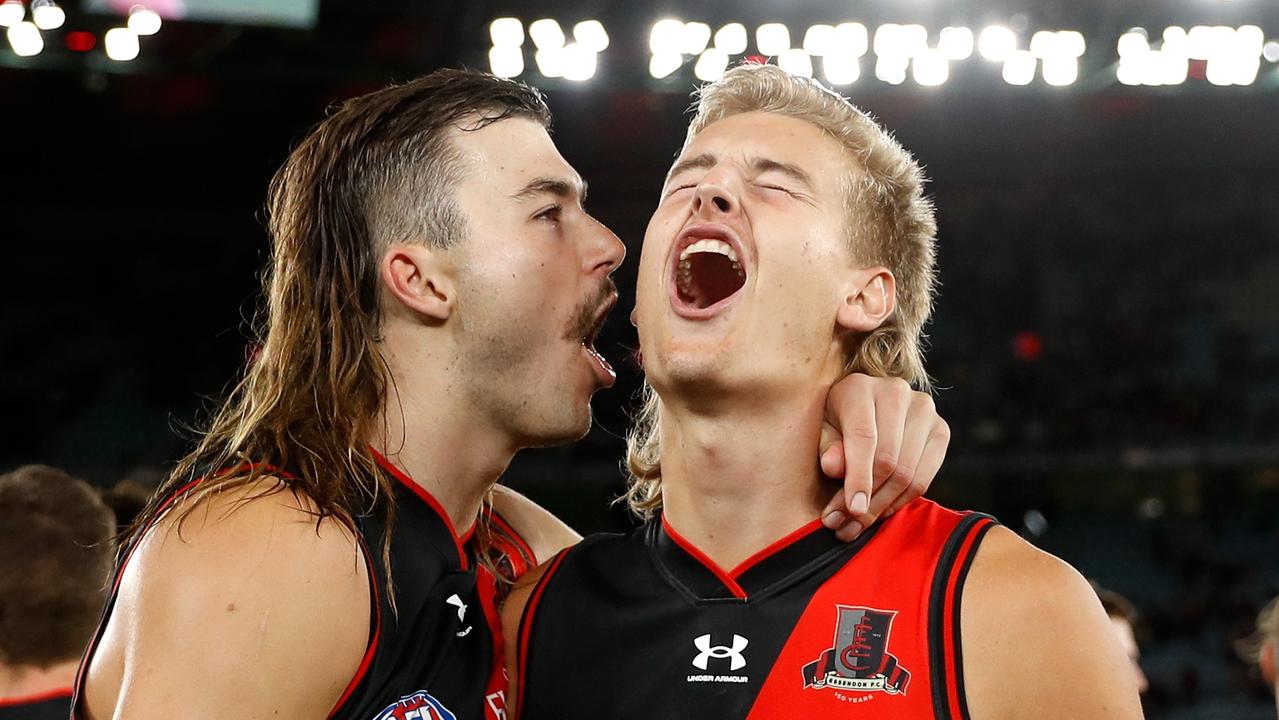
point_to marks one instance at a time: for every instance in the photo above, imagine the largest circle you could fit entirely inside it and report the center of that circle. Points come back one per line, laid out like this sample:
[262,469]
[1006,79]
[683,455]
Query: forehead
[505,155]
[776,137]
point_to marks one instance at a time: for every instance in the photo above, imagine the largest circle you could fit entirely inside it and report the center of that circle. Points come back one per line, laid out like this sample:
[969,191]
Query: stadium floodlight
[819,40]
[1071,43]
[121,44]
[1176,41]
[1043,43]
[1061,69]
[914,39]
[841,68]
[956,43]
[1173,68]
[579,62]
[12,12]
[888,41]
[892,69]
[796,62]
[931,68]
[666,37]
[1133,42]
[1249,40]
[144,21]
[550,62]
[731,39]
[1019,67]
[1270,51]
[547,35]
[694,38]
[24,38]
[591,34]
[852,37]
[506,32]
[996,43]
[711,65]
[1130,71]
[506,61]
[46,15]
[1199,42]
[663,64]
[772,39]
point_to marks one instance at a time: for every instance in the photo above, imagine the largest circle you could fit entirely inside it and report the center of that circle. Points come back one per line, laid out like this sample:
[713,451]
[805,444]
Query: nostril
[721,204]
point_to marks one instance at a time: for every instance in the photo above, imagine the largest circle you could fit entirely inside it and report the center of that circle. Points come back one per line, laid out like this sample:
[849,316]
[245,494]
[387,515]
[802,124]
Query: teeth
[714,246]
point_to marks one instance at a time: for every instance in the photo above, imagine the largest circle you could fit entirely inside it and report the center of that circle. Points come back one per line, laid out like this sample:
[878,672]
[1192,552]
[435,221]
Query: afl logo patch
[418,706]
[859,659]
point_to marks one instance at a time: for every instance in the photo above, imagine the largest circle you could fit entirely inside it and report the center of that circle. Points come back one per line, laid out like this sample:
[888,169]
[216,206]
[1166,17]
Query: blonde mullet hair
[891,224]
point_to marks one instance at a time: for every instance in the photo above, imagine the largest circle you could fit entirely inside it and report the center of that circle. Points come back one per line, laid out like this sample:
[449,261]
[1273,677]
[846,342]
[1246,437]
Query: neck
[739,475]
[433,433]
[19,681]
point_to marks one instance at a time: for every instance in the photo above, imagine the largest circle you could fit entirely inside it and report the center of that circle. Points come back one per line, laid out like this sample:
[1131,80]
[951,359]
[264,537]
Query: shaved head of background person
[56,550]
[433,297]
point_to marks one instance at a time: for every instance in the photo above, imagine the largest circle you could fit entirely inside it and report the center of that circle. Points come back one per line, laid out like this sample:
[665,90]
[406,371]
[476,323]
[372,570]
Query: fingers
[832,452]
[918,427]
[850,408]
[930,462]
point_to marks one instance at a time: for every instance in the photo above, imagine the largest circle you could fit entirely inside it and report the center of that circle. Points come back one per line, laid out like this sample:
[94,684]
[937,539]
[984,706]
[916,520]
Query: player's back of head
[56,552]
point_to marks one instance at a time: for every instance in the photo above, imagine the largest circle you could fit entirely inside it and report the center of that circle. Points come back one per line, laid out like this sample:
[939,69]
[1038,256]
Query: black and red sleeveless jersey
[645,626]
[438,654]
[51,705]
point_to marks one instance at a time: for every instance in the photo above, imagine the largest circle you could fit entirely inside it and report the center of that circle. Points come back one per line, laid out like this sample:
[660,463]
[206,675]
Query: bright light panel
[25,39]
[144,21]
[996,43]
[1061,70]
[550,62]
[819,40]
[796,62]
[48,16]
[663,64]
[931,68]
[1019,67]
[121,44]
[579,62]
[731,39]
[956,43]
[711,65]
[772,39]
[892,69]
[666,37]
[547,35]
[694,38]
[841,68]
[852,37]
[506,32]
[11,13]
[506,61]
[1133,42]
[590,34]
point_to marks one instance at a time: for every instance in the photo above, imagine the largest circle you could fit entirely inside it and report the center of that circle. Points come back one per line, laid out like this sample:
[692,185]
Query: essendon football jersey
[438,654]
[645,626]
[52,705]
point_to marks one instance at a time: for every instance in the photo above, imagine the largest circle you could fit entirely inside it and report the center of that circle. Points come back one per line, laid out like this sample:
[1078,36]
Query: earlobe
[421,279]
[870,302]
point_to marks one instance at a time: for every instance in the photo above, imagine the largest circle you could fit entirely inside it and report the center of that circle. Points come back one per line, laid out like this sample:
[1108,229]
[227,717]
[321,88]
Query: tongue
[712,278]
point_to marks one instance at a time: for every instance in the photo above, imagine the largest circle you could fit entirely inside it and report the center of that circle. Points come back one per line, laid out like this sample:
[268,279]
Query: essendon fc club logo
[418,706]
[860,659]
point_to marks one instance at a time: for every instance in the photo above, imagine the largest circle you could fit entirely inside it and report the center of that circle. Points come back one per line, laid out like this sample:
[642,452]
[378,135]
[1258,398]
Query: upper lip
[605,308]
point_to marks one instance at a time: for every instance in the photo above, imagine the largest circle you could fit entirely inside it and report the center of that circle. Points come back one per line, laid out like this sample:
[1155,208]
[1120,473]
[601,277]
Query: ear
[869,302]
[422,279]
[1268,664]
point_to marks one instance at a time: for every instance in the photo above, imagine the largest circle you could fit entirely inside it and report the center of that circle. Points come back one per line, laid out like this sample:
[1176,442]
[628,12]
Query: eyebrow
[559,187]
[757,164]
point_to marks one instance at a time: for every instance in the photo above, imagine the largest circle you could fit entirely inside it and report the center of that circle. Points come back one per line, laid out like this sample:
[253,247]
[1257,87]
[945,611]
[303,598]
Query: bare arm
[544,533]
[251,613]
[1036,642]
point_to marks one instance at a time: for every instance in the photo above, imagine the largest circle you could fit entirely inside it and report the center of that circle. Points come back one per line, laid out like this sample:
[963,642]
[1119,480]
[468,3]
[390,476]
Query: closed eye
[551,214]
[677,188]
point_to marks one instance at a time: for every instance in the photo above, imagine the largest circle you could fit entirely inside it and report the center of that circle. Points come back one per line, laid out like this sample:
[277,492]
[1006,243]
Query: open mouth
[602,368]
[707,273]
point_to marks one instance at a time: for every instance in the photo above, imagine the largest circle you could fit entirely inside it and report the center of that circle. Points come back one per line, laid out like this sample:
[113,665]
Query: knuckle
[918,486]
[863,432]
[941,432]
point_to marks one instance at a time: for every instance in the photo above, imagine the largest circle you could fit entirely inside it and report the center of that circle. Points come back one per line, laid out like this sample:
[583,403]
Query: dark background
[1106,340]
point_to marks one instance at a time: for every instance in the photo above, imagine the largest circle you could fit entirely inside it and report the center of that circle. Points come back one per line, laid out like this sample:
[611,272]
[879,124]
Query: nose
[713,197]
[606,250]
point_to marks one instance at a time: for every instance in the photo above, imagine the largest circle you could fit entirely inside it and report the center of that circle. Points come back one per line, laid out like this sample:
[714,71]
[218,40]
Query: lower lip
[603,371]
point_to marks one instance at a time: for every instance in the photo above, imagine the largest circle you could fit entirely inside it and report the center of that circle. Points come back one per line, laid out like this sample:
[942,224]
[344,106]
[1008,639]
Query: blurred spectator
[1263,647]
[1123,616]
[127,499]
[56,553]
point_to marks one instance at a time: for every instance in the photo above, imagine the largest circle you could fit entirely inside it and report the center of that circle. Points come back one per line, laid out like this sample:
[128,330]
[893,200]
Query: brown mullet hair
[378,170]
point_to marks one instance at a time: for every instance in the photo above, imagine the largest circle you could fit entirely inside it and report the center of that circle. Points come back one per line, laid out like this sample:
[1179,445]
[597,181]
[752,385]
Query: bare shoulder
[544,533]
[1034,636]
[230,590]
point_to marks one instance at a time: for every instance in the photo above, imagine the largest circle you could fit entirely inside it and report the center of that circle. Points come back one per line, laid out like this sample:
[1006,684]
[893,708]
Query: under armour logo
[708,651]
[456,602]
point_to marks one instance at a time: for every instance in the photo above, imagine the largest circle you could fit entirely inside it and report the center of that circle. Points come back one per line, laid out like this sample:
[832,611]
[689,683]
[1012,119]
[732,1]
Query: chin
[559,428]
